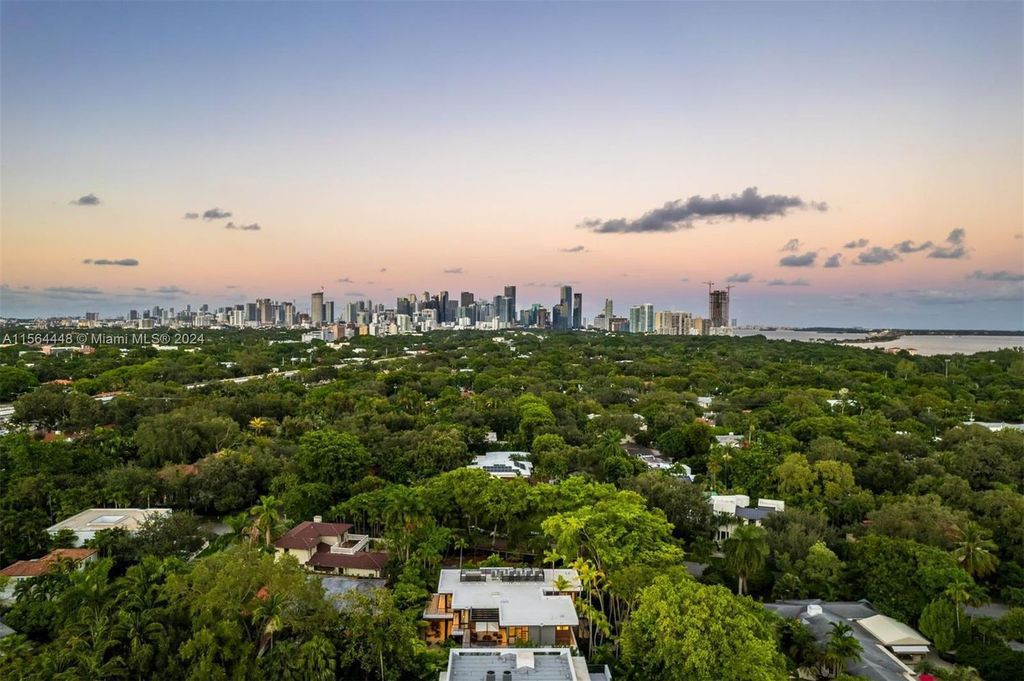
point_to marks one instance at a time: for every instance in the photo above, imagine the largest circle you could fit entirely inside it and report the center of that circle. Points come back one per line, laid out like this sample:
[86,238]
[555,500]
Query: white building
[740,512]
[518,664]
[86,524]
[504,464]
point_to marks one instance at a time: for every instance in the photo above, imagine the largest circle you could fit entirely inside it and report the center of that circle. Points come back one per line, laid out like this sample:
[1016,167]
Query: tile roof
[306,535]
[361,560]
[40,566]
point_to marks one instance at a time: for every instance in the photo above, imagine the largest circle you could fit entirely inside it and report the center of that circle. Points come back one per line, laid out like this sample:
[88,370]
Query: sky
[841,164]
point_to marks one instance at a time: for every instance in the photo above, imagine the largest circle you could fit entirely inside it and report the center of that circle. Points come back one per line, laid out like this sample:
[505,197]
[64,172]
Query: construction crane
[710,284]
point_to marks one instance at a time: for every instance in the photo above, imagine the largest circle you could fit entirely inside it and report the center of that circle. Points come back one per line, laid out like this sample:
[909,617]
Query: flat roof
[96,519]
[533,664]
[521,603]
[890,632]
[504,464]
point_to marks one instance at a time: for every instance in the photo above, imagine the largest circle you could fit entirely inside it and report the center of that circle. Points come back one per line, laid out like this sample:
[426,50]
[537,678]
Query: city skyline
[630,152]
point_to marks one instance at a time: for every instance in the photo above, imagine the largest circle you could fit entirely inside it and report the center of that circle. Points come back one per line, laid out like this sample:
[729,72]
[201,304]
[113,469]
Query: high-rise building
[566,301]
[264,311]
[560,318]
[316,308]
[635,319]
[718,307]
[329,312]
[466,299]
[648,318]
[577,310]
[609,308]
[672,323]
[510,294]
[289,314]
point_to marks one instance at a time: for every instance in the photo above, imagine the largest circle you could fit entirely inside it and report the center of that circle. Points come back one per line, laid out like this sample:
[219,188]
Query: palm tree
[139,634]
[974,550]
[746,552]
[561,584]
[258,424]
[842,646]
[318,659]
[268,616]
[267,515]
[552,557]
[460,543]
[960,593]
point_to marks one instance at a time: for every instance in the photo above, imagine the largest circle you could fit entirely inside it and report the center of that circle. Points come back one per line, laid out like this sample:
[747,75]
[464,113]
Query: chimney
[318,519]
[489,676]
[813,610]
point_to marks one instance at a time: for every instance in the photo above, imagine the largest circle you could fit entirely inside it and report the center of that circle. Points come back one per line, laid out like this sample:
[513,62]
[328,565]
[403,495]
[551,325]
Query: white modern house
[501,607]
[504,464]
[518,664]
[735,510]
[86,524]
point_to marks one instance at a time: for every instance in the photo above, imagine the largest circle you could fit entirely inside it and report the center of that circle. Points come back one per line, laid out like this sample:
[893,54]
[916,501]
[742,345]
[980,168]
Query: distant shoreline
[884,334]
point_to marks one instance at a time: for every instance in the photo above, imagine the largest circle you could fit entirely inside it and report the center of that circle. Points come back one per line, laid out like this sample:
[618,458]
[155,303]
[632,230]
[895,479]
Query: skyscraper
[329,312]
[316,308]
[560,318]
[510,294]
[609,308]
[718,307]
[466,299]
[577,310]
[648,318]
[566,302]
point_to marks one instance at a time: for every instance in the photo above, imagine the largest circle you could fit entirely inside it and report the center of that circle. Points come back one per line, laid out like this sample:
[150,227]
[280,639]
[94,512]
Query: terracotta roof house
[27,569]
[332,548]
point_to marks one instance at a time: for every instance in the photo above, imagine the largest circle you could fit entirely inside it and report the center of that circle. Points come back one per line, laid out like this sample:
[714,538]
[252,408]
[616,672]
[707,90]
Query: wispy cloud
[355,294]
[834,260]
[245,228]
[573,249]
[216,214]
[877,256]
[803,260]
[383,269]
[87,200]
[344,280]
[1001,275]
[956,249]
[453,270]
[171,291]
[74,290]
[739,278]
[122,262]
[792,246]
[681,214]
[908,246]
[792,282]
[191,216]
[856,243]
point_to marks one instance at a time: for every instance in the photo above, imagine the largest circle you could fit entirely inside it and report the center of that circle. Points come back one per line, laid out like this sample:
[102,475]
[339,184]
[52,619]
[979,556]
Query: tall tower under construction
[718,306]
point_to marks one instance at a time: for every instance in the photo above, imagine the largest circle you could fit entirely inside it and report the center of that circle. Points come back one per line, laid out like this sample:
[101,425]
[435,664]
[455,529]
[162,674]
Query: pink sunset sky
[377,147]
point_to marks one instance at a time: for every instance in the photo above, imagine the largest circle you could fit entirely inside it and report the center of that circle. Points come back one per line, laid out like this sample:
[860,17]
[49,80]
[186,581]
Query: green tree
[842,646]
[975,551]
[684,631]
[746,552]
[939,623]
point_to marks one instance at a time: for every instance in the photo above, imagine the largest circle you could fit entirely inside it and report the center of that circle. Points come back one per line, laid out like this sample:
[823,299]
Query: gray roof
[754,513]
[519,603]
[876,663]
[536,664]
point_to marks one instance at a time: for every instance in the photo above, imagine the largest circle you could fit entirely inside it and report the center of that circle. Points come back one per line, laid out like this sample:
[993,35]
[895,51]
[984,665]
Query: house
[519,664]
[22,570]
[730,440]
[86,524]
[332,548]
[888,646]
[655,461]
[502,607]
[739,511]
[504,465]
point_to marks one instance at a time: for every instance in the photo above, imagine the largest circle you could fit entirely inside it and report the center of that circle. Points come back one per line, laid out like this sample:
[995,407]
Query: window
[482,627]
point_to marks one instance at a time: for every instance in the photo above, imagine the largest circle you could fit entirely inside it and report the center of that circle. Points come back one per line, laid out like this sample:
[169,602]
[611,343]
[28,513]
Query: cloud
[453,270]
[1006,293]
[909,247]
[87,200]
[1001,275]
[805,260]
[245,228]
[191,216]
[856,243]
[1018,235]
[383,269]
[231,286]
[170,291]
[956,249]
[139,288]
[794,282]
[573,249]
[344,280]
[685,279]
[355,294]
[122,262]
[833,260]
[680,214]
[739,278]
[877,256]
[792,246]
[74,290]
[216,214]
